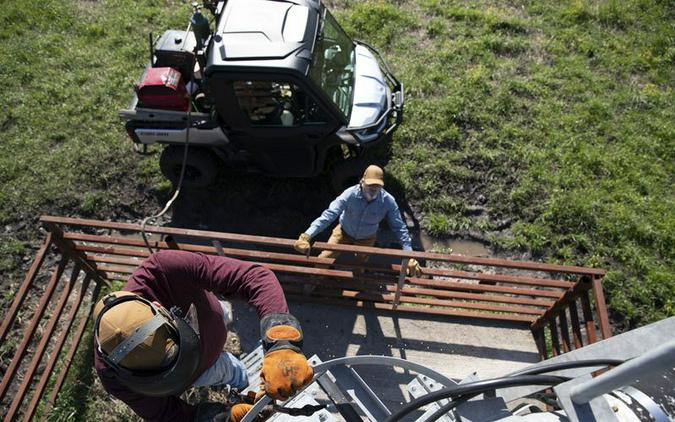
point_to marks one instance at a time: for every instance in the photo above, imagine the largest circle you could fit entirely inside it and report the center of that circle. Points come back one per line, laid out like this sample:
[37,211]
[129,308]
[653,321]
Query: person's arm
[397,225]
[330,214]
[223,276]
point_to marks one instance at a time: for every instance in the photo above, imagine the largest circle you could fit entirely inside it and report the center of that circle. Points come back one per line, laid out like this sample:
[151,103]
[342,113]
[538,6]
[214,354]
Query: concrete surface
[455,347]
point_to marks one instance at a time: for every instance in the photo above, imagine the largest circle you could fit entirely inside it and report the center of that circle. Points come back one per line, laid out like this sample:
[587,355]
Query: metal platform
[640,389]
[79,258]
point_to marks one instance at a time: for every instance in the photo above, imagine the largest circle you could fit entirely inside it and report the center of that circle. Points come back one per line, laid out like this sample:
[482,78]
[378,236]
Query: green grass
[557,116]
[69,69]
[560,114]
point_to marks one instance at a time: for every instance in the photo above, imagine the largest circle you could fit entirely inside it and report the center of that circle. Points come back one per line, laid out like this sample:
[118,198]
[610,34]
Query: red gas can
[161,87]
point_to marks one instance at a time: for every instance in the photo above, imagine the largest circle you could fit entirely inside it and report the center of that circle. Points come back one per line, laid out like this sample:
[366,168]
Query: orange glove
[285,369]
[238,411]
[284,372]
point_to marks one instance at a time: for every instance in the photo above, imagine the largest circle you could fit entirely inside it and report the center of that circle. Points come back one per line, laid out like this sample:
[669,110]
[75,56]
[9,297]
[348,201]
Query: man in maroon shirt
[165,332]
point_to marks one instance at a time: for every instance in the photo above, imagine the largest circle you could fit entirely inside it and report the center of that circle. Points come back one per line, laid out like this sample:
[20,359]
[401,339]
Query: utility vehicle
[277,87]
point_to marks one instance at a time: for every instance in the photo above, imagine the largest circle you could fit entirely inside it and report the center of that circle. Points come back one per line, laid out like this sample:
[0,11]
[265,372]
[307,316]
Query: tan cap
[120,321]
[373,175]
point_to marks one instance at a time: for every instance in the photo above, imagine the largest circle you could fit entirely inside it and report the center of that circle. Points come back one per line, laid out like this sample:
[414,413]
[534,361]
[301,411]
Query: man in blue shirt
[360,209]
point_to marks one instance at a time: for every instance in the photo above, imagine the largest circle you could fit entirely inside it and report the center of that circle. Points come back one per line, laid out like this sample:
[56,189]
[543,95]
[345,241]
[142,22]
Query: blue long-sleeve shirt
[360,218]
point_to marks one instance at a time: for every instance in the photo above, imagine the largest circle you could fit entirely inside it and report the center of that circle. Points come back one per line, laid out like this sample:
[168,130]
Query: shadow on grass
[267,206]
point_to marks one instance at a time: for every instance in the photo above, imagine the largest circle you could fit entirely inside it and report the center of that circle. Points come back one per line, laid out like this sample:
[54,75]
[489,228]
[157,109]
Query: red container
[161,87]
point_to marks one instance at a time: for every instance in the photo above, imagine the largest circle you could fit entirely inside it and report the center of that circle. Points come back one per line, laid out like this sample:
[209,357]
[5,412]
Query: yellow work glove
[414,269]
[285,369]
[302,244]
[238,411]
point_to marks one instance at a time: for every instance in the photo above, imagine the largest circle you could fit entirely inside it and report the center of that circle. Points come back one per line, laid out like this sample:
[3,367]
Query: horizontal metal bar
[390,297]
[534,281]
[232,252]
[358,284]
[365,303]
[478,297]
[485,297]
[132,264]
[114,259]
[300,259]
[118,269]
[453,285]
[274,241]
[112,250]
[310,271]
[445,285]
[413,309]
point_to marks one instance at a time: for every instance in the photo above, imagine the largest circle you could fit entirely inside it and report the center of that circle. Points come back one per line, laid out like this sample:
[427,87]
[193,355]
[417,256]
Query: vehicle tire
[347,173]
[201,166]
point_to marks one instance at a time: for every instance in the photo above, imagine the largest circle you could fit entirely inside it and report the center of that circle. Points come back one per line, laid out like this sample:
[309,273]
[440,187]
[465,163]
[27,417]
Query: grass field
[547,126]
[560,115]
[555,118]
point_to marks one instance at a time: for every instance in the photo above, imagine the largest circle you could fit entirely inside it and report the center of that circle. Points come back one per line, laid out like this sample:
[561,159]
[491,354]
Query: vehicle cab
[288,82]
[286,85]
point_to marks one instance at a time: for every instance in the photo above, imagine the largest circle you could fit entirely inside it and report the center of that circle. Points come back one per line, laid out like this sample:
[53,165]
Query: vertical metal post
[588,318]
[601,307]
[28,333]
[576,328]
[70,318]
[401,282]
[39,351]
[77,337]
[555,341]
[540,341]
[564,332]
[27,282]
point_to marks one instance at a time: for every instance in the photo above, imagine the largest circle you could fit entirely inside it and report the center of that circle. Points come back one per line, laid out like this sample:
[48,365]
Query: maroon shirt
[180,278]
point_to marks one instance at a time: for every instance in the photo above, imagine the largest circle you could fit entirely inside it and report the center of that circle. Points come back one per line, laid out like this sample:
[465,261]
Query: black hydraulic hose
[473,389]
[449,406]
[559,366]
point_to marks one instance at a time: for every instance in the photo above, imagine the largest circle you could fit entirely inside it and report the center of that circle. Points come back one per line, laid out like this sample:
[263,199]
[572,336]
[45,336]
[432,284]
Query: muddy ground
[237,203]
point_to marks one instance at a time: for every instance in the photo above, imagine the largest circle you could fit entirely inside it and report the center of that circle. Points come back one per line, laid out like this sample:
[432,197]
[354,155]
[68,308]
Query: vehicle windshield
[333,64]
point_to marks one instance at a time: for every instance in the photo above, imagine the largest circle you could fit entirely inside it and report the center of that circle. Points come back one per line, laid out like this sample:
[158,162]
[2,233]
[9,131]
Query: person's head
[372,182]
[120,321]
[145,347]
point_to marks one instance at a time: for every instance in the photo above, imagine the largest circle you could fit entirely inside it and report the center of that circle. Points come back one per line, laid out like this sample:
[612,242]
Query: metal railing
[91,253]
